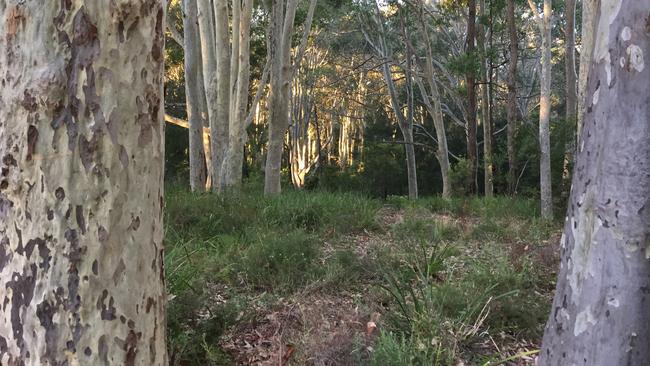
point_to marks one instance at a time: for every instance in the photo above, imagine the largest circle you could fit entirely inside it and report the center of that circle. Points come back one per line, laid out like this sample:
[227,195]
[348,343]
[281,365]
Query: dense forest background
[343,134]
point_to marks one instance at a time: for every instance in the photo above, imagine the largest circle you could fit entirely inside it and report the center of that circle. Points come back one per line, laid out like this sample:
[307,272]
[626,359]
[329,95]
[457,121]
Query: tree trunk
[586,54]
[545,115]
[512,95]
[282,71]
[410,164]
[544,23]
[222,124]
[485,108]
[193,97]
[433,105]
[472,147]
[405,123]
[209,66]
[599,312]
[233,165]
[81,192]
[570,90]
[279,110]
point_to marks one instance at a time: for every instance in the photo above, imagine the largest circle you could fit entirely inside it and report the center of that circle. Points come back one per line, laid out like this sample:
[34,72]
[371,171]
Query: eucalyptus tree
[81,192]
[512,93]
[282,72]
[195,95]
[599,312]
[544,23]
[404,117]
[427,82]
[470,79]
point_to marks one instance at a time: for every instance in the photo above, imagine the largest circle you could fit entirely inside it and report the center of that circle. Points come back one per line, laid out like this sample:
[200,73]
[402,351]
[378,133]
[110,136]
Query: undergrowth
[445,282]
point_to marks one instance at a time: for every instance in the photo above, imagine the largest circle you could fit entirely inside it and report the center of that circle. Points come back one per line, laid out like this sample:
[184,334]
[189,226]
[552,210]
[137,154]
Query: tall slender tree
[470,78]
[599,312]
[571,91]
[283,14]
[486,112]
[512,94]
[195,95]
[81,192]
[544,23]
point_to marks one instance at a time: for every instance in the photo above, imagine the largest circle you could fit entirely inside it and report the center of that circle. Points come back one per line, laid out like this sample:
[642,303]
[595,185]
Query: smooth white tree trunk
[195,97]
[218,123]
[232,170]
[544,22]
[81,188]
[599,315]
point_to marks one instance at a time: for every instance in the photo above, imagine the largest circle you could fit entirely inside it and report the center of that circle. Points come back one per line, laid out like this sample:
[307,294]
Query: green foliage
[321,211]
[433,290]
[280,262]
[244,239]
[394,349]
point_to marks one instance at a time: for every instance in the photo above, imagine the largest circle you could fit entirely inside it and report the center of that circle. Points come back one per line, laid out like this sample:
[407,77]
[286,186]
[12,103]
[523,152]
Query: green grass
[442,284]
[251,244]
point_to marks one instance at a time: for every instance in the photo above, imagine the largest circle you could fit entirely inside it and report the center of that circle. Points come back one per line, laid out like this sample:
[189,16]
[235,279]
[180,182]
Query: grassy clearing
[304,275]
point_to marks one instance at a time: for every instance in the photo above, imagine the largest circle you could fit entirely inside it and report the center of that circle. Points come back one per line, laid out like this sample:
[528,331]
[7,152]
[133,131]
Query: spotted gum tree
[81,172]
[600,311]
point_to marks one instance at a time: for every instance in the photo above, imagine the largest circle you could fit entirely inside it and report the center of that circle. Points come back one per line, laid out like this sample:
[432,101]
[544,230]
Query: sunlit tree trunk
[282,72]
[194,98]
[81,192]
[599,315]
[512,94]
[232,170]
[544,23]
[209,61]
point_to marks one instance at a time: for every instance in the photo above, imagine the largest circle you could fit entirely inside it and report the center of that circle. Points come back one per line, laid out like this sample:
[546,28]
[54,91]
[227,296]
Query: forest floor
[311,278]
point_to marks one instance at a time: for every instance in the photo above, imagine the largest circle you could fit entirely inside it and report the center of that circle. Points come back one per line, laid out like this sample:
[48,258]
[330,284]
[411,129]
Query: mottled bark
[193,90]
[599,314]
[512,95]
[470,78]
[81,141]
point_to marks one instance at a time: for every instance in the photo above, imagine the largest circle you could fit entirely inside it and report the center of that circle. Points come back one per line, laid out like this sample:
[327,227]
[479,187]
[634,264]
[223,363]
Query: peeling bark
[599,314]
[81,140]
